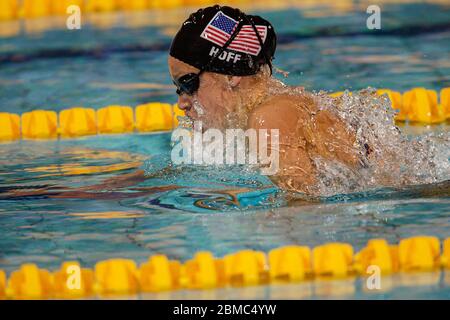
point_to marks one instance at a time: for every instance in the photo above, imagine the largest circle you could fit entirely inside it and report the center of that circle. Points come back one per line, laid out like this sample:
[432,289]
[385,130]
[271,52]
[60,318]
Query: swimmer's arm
[296,170]
[121,181]
[124,180]
[333,140]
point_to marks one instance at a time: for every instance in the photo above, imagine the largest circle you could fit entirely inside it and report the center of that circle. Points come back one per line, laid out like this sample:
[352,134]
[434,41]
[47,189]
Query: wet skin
[305,132]
[112,186]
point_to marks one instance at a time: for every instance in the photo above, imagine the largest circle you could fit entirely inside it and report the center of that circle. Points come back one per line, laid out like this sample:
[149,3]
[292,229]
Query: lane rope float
[418,105]
[287,264]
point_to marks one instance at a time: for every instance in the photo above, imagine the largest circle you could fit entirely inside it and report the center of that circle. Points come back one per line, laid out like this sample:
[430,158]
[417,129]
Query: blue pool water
[55,206]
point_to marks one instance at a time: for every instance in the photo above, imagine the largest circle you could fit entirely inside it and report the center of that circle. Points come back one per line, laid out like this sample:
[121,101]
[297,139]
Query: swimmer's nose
[184,102]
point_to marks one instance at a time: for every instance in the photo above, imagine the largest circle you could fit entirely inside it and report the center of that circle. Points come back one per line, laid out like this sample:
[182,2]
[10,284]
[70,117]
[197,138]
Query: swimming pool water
[49,214]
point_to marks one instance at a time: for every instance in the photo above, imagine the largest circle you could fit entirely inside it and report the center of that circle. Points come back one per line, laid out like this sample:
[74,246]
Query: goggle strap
[269,62]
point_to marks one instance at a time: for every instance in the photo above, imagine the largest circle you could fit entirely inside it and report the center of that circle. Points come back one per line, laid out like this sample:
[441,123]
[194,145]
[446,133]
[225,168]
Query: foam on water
[395,159]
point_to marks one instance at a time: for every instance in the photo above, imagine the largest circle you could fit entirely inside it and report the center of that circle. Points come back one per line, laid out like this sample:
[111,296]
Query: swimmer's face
[211,102]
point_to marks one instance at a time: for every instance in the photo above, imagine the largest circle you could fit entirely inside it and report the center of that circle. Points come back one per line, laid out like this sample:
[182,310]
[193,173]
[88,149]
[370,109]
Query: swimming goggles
[189,83]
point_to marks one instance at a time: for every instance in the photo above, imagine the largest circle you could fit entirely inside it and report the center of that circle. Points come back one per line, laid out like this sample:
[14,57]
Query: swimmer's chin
[192,115]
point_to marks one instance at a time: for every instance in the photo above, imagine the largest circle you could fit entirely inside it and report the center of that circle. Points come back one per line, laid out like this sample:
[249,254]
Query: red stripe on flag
[223,33]
[249,39]
[216,40]
[244,43]
[246,40]
[218,35]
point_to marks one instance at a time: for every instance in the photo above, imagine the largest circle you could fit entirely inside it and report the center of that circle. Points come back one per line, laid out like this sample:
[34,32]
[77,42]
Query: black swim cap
[201,40]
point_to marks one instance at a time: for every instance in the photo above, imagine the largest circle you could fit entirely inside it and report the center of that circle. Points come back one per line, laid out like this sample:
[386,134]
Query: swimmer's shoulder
[278,111]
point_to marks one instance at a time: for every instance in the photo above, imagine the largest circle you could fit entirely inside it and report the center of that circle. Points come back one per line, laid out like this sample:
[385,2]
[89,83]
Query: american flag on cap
[221,27]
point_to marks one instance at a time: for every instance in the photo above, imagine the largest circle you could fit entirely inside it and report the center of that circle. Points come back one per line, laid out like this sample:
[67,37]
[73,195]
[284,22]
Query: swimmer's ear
[234,81]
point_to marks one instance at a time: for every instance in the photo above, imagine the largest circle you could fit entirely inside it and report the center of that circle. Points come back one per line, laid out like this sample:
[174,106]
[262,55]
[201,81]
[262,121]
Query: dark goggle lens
[189,84]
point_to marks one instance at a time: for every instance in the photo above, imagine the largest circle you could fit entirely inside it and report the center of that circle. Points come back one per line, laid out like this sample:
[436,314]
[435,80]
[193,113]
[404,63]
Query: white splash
[395,159]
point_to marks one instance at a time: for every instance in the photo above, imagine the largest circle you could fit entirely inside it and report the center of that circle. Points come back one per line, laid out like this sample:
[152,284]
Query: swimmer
[226,81]
[221,64]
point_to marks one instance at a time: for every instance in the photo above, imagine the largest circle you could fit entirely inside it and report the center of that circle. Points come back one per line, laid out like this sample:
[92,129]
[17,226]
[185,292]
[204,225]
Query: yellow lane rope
[418,105]
[286,264]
